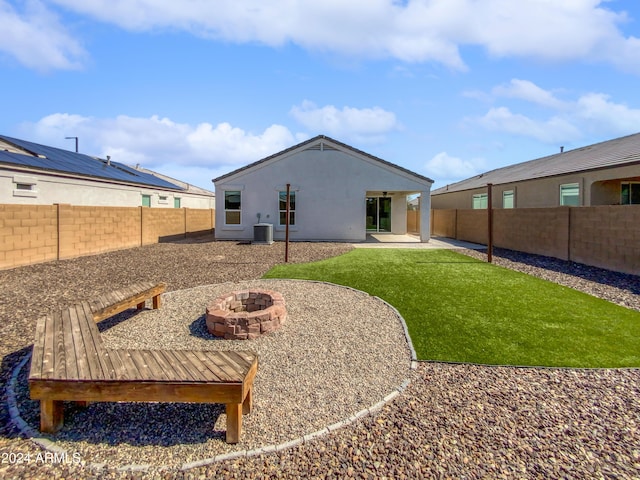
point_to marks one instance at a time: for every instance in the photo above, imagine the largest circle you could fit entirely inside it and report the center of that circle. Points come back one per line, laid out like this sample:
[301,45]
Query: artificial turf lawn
[459,309]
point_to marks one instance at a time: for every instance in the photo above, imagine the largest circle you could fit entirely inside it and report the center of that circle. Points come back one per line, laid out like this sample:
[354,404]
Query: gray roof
[313,140]
[52,159]
[612,153]
[188,187]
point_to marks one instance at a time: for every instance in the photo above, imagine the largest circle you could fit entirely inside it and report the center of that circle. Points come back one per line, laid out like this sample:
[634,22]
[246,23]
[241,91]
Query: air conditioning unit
[262,234]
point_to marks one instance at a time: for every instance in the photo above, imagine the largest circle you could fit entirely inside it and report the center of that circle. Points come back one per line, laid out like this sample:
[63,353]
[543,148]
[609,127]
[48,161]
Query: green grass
[459,309]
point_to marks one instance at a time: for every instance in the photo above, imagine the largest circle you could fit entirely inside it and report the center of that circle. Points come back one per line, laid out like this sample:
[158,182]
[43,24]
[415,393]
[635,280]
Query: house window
[508,199]
[570,194]
[630,193]
[282,197]
[176,202]
[232,207]
[146,200]
[163,199]
[24,186]
[480,200]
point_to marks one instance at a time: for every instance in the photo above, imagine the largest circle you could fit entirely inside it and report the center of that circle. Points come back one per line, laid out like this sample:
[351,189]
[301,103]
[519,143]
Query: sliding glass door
[378,214]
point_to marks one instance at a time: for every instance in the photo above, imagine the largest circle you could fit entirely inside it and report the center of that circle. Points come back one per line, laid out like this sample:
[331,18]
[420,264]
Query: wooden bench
[112,303]
[70,363]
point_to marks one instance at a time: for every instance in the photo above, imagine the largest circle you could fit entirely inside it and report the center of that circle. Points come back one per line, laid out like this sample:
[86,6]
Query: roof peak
[315,139]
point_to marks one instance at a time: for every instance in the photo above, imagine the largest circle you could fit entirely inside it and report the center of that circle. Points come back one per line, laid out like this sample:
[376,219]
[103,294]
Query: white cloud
[553,130]
[571,119]
[529,91]
[158,141]
[411,31]
[348,122]
[444,167]
[601,114]
[36,39]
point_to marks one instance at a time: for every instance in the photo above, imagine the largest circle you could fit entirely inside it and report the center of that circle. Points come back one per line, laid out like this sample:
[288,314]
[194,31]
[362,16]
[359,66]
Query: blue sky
[196,88]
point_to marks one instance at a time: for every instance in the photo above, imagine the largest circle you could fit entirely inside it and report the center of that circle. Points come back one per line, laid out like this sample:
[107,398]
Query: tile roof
[612,153]
[42,157]
[314,140]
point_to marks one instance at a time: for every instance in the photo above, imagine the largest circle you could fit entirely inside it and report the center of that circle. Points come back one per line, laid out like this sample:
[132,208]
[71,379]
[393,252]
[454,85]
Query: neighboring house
[606,173]
[204,198]
[337,193]
[36,174]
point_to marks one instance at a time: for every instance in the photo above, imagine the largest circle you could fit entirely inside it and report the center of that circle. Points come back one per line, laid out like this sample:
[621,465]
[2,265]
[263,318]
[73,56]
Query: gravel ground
[453,421]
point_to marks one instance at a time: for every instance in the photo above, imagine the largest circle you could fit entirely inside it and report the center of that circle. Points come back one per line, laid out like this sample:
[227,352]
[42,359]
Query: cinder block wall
[607,237]
[39,233]
[444,223]
[471,226]
[199,221]
[413,221]
[602,236]
[543,231]
[91,230]
[28,234]
[162,224]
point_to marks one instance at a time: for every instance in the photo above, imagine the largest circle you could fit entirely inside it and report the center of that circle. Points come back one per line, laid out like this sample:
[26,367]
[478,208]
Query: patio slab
[389,240]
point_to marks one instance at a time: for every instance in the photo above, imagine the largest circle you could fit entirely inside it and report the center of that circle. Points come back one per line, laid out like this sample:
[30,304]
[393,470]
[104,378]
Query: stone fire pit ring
[246,314]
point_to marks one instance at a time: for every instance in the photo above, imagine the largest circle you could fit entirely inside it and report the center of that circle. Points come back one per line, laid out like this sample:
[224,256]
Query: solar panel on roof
[60,160]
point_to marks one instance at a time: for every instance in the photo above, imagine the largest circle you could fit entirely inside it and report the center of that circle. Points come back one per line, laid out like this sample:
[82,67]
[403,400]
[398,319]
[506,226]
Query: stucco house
[337,193]
[606,173]
[35,174]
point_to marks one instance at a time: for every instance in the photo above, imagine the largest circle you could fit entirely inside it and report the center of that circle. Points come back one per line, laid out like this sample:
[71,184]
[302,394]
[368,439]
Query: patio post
[286,228]
[490,222]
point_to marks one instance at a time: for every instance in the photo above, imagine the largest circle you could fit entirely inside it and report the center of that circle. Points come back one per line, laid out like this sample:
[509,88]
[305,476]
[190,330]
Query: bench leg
[156,302]
[247,405]
[140,306]
[234,422]
[51,415]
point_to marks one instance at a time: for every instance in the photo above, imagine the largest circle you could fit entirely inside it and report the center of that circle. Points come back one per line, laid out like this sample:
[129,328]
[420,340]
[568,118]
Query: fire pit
[246,314]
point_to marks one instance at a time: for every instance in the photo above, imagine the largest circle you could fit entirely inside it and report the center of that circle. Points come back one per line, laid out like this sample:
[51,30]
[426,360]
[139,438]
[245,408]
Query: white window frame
[567,186]
[637,184]
[480,201]
[232,210]
[507,194]
[24,186]
[292,208]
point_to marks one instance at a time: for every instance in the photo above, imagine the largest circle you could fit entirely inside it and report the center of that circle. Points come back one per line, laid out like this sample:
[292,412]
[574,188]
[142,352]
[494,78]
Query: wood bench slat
[59,354]
[92,343]
[204,373]
[227,364]
[175,360]
[217,372]
[102,362]
[37,355]
[72,345]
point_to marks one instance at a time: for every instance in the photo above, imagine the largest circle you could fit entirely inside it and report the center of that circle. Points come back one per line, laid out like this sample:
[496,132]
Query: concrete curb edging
[27,431]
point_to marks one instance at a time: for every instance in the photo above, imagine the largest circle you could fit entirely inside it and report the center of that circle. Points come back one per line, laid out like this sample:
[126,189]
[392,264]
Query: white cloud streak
[160,141]
[411,31]
[36,38]
[348,122]
[444,166]
[570,120]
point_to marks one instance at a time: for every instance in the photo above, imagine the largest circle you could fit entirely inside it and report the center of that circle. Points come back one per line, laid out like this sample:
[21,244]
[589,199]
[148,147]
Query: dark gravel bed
[454,421]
